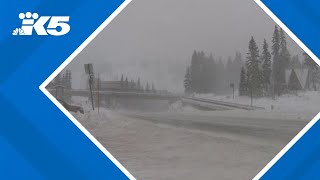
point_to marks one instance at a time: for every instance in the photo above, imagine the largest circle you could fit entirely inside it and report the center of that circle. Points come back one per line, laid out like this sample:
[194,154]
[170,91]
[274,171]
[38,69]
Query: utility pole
[89,70]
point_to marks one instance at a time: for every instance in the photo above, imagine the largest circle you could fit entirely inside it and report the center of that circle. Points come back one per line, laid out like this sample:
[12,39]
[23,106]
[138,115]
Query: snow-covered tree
[195,72]
[295,63]
[139,88]
[122,81]
[284,52]
[126,83]
[266,66]
[58,80]
[313,70]
[243,88]
[153,89]
[147,89]
[277,65]
[187,81]
[276,42]
[253,72]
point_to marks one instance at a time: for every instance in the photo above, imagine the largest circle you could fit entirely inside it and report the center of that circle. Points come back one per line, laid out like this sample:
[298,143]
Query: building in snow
[298,79]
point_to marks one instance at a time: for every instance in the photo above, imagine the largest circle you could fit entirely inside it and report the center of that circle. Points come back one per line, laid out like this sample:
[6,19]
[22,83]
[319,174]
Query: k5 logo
[57,26]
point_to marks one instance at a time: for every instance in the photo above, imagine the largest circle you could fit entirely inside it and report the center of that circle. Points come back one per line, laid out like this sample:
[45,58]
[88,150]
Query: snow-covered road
[191,145]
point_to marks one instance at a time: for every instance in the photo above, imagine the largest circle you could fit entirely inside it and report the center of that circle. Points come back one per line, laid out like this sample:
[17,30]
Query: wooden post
[98,93]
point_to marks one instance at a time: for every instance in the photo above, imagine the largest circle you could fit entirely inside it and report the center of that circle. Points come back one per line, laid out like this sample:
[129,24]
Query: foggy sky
[154,39]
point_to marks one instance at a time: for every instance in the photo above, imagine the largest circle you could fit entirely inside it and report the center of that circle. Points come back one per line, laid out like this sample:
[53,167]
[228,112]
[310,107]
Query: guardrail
[227,104]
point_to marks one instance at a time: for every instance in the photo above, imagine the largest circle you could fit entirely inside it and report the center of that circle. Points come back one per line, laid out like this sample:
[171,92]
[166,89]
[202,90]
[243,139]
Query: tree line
[131,85]
[209,75]
[261,74]
[265,74]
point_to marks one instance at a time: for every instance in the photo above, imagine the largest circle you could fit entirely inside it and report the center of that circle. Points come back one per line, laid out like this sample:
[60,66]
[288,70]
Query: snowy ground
[305,105]
[190,144]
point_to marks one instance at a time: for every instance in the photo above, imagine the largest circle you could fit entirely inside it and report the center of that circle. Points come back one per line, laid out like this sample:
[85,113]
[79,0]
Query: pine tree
[229,68]
[276,42]
[313,70]
[68,79]
[266,66]
[308,62]
[58,80]
[188,81]
[132,85]
[122,82]
[147,87]
[220,83]
[194,71]
[153,89]
[126,84]
[284,60]
[295,62]
[276,66]
[138,85]
[211,74]
[253,72]
[284,52]
[236,69]
[243,88]
[202,77]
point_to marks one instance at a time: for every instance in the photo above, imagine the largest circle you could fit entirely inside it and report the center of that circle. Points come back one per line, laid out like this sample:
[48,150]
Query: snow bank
[301,106]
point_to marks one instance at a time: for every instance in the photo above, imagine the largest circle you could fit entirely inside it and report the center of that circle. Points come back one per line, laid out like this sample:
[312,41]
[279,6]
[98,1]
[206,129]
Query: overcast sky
[154,39]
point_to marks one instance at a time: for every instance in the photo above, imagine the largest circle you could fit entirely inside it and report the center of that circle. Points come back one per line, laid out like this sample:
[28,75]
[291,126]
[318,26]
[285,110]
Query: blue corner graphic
[302,160]
[37,140]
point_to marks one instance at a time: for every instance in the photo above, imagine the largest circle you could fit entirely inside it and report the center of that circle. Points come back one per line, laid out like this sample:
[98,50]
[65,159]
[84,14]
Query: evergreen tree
[284,61]
[147,87]
[229,68]
[58,80]
[68,79]
[212,76]
[202,75]
[236,68]
[132,85]
[253,72]
[266,66]
[284,52]
[198,72]
[126,84]
[195,72]
[188,81]
[276,66]
[220,72]
[313,70]
[295,63]
[122,82]
[138,85]
[243,88]
[309,62]
[153,89]
[276,42]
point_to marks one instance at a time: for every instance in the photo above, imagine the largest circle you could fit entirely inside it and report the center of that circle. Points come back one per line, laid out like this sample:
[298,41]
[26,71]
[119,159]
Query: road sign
[88,68]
